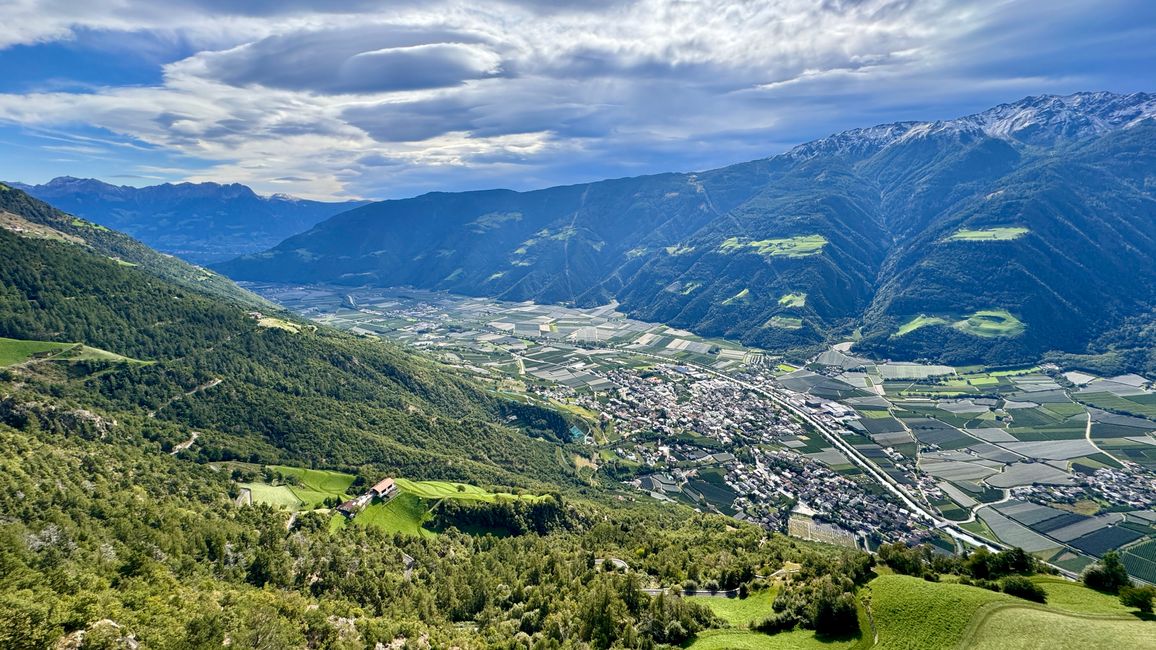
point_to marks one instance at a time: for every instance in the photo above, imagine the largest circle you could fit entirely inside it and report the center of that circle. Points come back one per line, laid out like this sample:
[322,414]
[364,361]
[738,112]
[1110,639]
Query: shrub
[1108,575]
[1021,587]
[1139,597]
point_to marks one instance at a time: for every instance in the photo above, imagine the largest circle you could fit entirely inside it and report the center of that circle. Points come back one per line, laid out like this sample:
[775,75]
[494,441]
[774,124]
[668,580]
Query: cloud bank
[384,99]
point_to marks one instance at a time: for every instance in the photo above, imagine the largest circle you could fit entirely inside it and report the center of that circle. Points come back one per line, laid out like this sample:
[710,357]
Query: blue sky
[391,98]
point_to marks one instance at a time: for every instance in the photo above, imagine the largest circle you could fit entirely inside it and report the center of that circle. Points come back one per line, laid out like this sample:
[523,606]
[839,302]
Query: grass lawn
[279,496]
[403,514]
[799,246]
[740,612]
[14,351]
[1014,627]
[991,323]
[1069,596]
[747,640]
[918,322]
[460,491]
[1003,233]
[320,480]
[919,615]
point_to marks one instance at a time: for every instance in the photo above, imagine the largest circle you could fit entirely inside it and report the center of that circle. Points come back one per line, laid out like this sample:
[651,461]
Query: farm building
[384,488]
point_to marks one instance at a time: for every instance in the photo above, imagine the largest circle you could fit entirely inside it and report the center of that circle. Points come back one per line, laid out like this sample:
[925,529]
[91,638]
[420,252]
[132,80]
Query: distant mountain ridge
[201,222]
[997,237]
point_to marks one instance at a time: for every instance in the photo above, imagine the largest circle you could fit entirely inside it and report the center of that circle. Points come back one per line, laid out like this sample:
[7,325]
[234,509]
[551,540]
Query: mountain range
[995,238]
[200,222]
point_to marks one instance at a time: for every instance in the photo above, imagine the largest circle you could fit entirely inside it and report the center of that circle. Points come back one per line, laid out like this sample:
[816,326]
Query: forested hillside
[123,523]
[993,238]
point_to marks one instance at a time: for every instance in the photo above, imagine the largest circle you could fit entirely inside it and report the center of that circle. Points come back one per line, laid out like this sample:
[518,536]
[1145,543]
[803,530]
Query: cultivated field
[1003,233]
[799,246]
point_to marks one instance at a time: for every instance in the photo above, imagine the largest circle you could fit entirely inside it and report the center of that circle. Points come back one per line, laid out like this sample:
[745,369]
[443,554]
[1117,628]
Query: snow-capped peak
[1041,120]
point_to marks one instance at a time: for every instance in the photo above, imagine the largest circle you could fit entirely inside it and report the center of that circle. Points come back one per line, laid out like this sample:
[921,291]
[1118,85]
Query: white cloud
[375,97]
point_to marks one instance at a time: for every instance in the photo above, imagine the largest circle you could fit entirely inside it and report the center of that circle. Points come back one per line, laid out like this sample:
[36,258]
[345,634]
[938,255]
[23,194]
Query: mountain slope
[201,222]
[1014,232]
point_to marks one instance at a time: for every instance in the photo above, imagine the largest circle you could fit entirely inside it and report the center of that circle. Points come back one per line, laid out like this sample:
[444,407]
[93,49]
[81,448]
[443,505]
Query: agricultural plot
[1105,539]
[14,351]
[740,612]
[798,246]
[785,322]
[991,323]
[999,233]
[404,514]
[957,471]
[918,322]
[792,299]
[1028,473]
[1015,534]
[278,496]
[1052,449]
[435,490]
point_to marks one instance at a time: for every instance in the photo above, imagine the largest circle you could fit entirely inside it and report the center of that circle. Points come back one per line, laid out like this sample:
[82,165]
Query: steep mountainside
[202,222]
[996,237]
[120,517]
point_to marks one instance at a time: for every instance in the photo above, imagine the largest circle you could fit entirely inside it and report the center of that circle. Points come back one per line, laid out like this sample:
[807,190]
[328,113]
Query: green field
[918,322]
[405,513]
[316,485]
[920,615]
[991,323]
[785,322]
[747,640]
[1003,233]
[793,300]
[320,480]
[1068,596]
[740,612]
[460,491]
[799,246]
[278,496]
[1014,627]
[13,351]
[738,297]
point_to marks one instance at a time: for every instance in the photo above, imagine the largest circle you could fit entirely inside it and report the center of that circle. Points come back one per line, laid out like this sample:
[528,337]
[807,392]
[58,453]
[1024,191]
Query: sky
[394,98]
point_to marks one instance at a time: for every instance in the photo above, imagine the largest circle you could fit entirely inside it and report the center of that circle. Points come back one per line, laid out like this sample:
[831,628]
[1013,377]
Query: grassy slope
[920,615]
[1002,233]
[1008,628]
[459,491]
[403,514]
[13,351]
[747,640]
[740,611]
